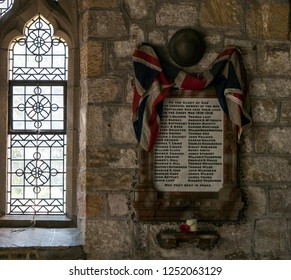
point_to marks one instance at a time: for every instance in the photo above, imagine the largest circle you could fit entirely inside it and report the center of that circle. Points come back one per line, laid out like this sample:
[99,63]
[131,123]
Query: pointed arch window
[5,5]
[37,121]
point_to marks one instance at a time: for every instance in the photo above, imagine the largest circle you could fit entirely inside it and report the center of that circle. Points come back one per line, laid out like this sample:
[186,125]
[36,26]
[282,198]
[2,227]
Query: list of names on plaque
[188,155]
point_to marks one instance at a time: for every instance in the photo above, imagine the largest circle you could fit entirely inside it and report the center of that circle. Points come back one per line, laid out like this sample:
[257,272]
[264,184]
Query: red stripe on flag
[147,57]
[136,100]
[193,83]
[225,52]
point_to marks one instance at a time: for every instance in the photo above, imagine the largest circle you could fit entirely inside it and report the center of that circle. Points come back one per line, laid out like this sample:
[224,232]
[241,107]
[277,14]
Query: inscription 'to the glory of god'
[188,155]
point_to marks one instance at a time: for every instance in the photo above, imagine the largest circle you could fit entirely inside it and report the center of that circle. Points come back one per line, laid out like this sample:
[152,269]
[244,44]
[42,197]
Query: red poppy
[184,228]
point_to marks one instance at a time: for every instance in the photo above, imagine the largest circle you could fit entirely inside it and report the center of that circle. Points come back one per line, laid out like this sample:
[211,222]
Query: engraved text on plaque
[188,155]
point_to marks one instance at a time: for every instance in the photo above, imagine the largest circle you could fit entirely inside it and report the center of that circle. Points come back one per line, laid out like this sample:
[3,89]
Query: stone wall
[43,253]
[109,32]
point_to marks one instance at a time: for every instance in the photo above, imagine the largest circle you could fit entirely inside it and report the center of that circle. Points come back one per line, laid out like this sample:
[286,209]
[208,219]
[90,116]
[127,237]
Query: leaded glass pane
[37,122]
[5,5]
[37,168]
[39,55]
[37,108]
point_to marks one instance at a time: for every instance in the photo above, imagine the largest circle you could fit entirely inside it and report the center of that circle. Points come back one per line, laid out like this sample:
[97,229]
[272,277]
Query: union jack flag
[155,77]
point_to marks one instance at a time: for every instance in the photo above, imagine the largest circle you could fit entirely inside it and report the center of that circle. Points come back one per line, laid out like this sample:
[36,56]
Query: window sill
[39,237]
[43,221]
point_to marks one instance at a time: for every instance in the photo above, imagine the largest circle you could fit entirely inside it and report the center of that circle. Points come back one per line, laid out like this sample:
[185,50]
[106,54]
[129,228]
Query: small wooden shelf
[206,240]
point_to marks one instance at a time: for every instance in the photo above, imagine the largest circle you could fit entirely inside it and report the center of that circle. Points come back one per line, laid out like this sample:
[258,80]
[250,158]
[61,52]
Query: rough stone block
[65,253]
[274,59]
[110,157]
[157,37]
[109,180]
[141,235]
[280,201]
[264,111]
[97,129]
[268,19]
[109,125]
[118,204]
[279,140]
[103,90]
[139,9]
[265,169]
[220,13]
[213,38]
[179,14]
[125,49]
[245,46]
[289,235]
[261,135]
[121,126]
[270,87]
[246,143]
[106,24]
[87,4]
[258,87]
[270,236]
[256,201]
[94,205]
[235,238]
[285,112]
[91,62]
[108,239]
[123,65]
[19,254]
[127,159]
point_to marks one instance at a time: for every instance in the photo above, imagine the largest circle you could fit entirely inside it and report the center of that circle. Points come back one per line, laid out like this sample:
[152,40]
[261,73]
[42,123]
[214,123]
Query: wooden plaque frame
[151,204]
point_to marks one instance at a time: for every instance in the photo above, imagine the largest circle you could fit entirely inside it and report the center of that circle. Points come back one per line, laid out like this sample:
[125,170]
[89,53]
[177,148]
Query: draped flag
[155,77]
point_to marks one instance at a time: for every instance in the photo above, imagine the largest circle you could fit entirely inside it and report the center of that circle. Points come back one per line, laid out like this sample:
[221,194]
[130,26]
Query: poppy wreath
[184,228]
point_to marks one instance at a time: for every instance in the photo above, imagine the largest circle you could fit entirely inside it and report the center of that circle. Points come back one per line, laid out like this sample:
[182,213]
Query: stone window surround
[18,17]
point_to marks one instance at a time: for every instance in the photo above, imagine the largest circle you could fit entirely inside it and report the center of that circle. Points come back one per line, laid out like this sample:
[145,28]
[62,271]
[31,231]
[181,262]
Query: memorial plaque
[192,170]
[188,155]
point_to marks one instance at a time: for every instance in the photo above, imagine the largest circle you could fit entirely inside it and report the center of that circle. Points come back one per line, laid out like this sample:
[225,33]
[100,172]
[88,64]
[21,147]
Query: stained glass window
[5,5]
[37,121]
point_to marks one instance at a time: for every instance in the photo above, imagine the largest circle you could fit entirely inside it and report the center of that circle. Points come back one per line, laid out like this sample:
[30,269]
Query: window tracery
[37,121]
